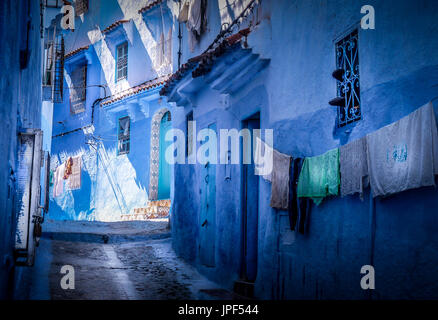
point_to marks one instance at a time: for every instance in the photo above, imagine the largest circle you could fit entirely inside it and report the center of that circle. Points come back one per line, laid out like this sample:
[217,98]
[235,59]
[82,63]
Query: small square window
[124,136]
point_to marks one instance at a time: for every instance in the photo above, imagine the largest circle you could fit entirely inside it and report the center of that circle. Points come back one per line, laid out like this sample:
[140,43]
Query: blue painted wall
[20,98]
[112,184]
[398,73]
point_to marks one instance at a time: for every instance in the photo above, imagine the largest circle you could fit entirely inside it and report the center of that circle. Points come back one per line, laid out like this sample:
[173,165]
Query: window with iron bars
[347,62]
[78,91]
[122,61]
[53,77]
[124,136]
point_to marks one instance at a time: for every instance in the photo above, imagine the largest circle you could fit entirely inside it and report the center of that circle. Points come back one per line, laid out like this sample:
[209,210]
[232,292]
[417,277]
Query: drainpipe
[92,116]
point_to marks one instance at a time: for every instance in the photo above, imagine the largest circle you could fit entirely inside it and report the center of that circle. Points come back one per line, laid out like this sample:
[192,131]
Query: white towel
[404,155]
[58,185]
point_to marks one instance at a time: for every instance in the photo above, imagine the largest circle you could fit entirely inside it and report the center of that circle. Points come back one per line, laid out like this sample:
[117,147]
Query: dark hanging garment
[299,208]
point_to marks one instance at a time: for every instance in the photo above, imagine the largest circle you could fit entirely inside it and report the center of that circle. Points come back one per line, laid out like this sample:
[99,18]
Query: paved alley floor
[126,260]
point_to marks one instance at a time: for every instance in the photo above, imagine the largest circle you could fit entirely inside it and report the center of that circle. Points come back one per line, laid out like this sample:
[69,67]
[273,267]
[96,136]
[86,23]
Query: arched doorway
[159,181]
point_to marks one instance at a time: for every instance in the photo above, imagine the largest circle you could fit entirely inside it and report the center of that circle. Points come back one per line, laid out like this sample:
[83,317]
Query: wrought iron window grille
[122,61]
[348,84]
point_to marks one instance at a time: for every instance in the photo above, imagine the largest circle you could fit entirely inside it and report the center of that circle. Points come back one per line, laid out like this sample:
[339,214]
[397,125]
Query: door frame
[243,210]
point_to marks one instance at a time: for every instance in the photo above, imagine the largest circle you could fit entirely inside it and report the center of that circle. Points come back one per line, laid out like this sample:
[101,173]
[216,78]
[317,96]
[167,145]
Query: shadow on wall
[73,204]
[82,199]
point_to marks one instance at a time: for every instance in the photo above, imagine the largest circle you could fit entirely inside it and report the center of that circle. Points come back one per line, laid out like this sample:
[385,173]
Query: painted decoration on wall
[155,153]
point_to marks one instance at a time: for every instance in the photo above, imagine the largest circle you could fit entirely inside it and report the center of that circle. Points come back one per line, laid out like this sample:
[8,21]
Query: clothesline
[397,157]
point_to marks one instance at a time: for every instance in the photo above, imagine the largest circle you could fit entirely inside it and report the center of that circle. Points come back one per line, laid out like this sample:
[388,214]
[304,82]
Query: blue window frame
[347,59]
[122,61]
[124,136]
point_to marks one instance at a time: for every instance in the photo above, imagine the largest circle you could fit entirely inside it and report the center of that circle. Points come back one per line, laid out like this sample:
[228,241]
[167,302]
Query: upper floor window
[347,63]
[78,91]
[122,61]
[124,135]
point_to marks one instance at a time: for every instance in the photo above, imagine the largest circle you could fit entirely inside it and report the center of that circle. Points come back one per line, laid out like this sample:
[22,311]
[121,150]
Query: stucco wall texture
[20,97]
[398,234]
[111,184]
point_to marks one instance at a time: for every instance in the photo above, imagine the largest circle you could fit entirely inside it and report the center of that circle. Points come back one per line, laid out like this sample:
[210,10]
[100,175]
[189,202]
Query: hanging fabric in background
[74,181]
[68,168]
[354,167]
[280,180]
[260,167]
[58,187]
[320,177]
[196,21]
[299,208]
[184,13]
[51,178]
[404,155]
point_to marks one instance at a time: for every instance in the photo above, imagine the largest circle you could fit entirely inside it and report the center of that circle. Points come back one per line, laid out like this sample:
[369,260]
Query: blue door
[164,166]
[250,212]
[208,213]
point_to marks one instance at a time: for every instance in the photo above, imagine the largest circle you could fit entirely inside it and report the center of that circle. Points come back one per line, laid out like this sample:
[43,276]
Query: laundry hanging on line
[196,21]
[404,155]
[398,157]
[280,180]
[58,186]
[74,181]
[68,168]
[298,208]
[354,167]
[320,177]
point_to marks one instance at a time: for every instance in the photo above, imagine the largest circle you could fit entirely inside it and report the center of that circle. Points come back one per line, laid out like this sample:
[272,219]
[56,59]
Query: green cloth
[320,177]
[51,178]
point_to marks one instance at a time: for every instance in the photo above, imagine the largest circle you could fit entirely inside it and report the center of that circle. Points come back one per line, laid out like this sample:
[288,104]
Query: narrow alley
[113,261]
[218,150]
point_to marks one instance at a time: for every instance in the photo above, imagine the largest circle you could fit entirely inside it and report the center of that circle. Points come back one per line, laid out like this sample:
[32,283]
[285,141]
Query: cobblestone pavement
[111,269]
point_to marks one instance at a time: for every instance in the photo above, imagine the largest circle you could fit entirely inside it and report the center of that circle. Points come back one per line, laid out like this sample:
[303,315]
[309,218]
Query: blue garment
[299,208]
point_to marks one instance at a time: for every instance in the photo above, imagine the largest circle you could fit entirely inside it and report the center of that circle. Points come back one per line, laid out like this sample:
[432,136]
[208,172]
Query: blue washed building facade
[121,53]
[26,122]
[274,71]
